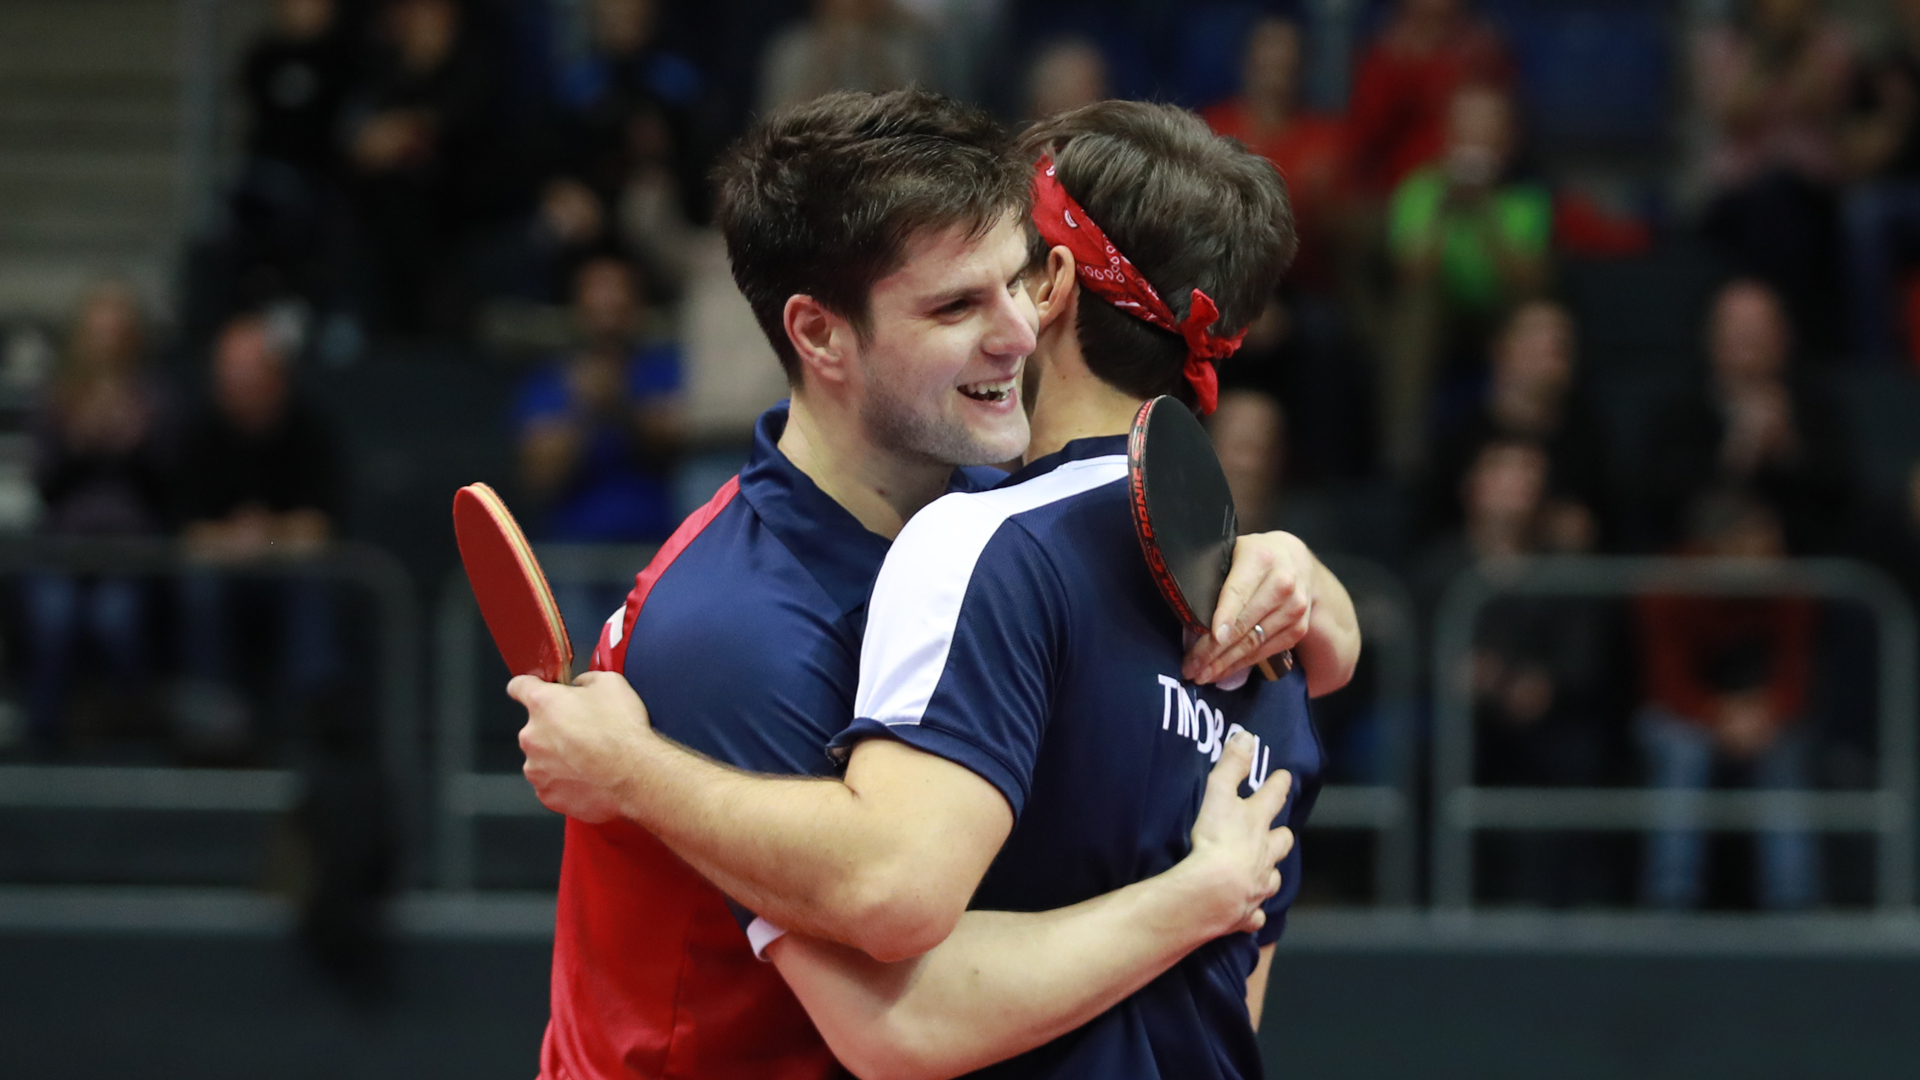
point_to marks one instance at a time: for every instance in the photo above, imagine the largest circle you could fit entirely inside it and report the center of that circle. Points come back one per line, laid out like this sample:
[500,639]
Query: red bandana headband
[1102,269]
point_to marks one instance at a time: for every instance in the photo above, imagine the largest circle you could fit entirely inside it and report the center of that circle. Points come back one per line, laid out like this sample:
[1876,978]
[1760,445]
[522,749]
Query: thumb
[525,689]
[1235,764]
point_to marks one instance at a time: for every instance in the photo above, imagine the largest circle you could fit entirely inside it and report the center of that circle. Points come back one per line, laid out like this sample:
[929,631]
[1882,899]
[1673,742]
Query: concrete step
[83,38]
[33,185]
[68,115]
[45,287]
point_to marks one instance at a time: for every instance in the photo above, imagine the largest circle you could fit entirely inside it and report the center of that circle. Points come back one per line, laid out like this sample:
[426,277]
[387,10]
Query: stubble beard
[900,425]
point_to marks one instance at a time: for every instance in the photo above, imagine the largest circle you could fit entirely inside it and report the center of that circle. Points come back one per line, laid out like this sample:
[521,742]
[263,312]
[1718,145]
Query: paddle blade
[1182,508]
[512,591]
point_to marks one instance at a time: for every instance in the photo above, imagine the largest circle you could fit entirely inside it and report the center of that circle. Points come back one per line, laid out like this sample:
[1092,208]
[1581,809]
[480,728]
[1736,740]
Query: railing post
[1453,737]
[457,669]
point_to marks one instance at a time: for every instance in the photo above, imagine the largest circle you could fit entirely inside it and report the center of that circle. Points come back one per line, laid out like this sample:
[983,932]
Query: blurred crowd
[526,178]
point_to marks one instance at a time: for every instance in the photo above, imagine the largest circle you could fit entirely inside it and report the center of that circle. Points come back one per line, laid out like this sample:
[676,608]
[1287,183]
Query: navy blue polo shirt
[749,646]
[1019,633]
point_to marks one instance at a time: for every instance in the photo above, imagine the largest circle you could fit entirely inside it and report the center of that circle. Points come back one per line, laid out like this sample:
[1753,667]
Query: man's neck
[1070,402]
[880,488]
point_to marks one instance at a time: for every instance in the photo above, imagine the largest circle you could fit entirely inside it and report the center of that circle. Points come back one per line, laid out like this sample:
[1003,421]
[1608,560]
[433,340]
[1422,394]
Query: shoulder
[958,528]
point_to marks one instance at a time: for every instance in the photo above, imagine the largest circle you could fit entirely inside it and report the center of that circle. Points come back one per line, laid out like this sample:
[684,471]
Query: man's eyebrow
[964,292]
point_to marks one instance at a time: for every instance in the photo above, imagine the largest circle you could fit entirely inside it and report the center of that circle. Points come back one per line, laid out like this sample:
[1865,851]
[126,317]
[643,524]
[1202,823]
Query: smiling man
[881,242]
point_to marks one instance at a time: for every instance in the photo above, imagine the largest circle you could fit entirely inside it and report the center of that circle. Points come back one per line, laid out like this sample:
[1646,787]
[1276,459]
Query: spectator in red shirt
[1309,149]
[1407,78]
[1727,685]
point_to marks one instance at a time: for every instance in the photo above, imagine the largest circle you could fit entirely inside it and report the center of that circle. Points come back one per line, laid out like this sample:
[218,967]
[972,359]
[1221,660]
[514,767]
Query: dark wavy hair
[822,198]
[1190,209]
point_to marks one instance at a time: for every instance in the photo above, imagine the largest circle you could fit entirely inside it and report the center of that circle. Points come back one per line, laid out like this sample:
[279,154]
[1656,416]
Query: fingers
[1279,845]
[1272,796]
[1235,764]
[524,688]
[1217,662]
[1251,563]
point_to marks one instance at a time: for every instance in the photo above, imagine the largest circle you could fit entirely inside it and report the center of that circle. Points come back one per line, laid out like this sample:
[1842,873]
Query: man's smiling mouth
[995,391]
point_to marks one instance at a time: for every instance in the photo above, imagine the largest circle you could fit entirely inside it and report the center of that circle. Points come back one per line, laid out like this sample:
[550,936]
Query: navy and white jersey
[1019,633]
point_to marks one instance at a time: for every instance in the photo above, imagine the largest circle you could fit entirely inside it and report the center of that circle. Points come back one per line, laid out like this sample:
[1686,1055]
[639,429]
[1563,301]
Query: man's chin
[1001,442]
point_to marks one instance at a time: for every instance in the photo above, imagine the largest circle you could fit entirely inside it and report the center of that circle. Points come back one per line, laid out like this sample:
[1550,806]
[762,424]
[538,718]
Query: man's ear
[819,337]
[1055,287]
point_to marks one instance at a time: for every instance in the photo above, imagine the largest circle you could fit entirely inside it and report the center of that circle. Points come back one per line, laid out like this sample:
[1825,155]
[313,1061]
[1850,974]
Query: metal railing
[463,795]
[1462,808]
[1390,632]
[109,787]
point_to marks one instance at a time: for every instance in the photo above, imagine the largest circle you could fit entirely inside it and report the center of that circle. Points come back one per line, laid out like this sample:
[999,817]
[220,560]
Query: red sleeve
[1668,639]
[1371,113]
[1792,659]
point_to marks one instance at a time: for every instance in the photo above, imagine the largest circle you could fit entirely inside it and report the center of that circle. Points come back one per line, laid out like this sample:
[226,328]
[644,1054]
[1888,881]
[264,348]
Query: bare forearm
[1331,648]
[1001,984]
[791,849]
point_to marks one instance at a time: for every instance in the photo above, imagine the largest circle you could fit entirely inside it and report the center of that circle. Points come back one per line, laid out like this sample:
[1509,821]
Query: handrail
[112,787]
[1390,633]
[460,794]
[1463,808]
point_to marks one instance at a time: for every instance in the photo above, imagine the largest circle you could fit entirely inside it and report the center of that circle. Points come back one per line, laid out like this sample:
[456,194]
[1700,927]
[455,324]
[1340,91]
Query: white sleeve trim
[760,934]
[916,602]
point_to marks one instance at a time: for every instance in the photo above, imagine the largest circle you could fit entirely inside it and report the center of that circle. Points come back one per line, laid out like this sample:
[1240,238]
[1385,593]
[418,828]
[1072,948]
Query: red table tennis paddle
[507,581]
[1182,511]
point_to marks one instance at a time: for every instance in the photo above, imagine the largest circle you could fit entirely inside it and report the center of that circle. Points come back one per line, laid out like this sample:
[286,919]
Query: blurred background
[1596,380]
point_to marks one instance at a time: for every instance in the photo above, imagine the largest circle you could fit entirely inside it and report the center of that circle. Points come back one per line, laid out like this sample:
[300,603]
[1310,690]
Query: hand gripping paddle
[512,591]
[1182,511]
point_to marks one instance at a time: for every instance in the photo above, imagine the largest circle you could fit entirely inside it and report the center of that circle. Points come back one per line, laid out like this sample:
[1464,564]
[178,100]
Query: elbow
[1335,669]
[894,917]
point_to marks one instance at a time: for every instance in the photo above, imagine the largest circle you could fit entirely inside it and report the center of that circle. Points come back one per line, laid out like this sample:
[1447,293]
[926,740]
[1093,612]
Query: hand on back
[1236,850]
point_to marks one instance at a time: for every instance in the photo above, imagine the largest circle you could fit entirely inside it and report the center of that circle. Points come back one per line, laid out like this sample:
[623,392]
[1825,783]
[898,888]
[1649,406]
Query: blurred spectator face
[1535,355]
[1272,68]
[1479,136]
[304,20]
[1734,526]
[606,300]
[1434,10]
[621,27]
[1248,430]
[249,376]
[1748,335]
[1505,485]
[107,336]
[572,212]
[1778,19]
[423,31]
[1067,76]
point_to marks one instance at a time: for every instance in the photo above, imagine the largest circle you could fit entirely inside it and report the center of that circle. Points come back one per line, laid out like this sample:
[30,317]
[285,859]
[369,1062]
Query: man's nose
[1013,332]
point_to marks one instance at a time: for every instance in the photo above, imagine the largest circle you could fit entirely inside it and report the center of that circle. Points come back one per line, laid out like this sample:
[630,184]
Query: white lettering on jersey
[1204,725]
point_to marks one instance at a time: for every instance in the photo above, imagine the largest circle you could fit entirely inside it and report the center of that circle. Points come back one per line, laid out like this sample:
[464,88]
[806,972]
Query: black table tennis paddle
[1182,511]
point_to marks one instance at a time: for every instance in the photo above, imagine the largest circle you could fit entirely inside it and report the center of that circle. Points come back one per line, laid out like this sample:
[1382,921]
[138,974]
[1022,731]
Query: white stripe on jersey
[916,599]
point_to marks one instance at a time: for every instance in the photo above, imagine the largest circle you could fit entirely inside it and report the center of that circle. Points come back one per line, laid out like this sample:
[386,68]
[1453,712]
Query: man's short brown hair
[822,198]
[1190,209]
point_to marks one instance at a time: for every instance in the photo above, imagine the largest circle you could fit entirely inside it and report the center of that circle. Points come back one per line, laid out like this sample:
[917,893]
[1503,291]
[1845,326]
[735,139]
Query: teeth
[999,390]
